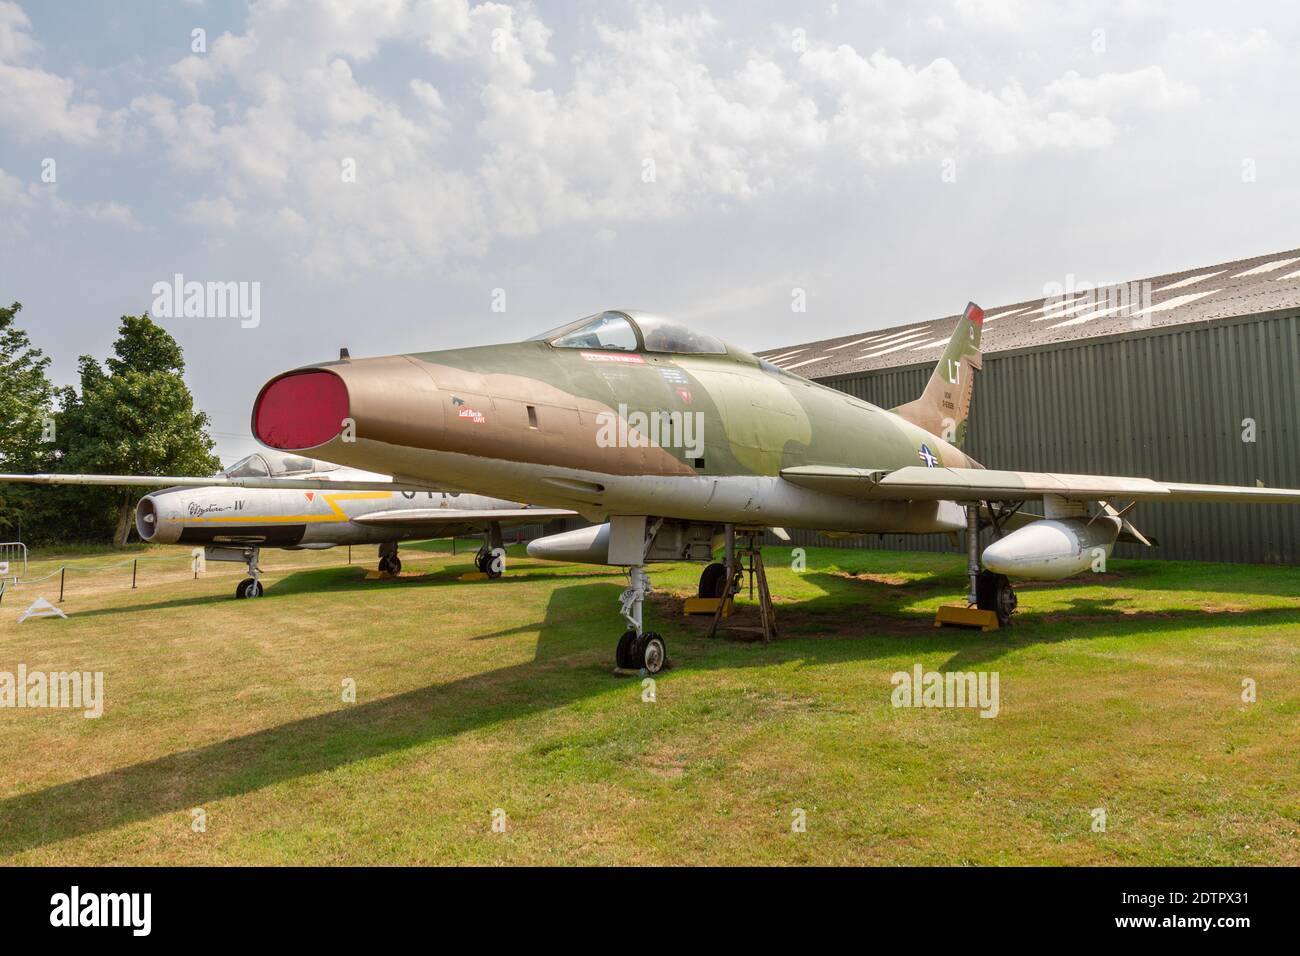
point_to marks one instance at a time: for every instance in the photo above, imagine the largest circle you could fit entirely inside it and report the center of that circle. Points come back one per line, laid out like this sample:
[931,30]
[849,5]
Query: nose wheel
[648,652]
[249,588]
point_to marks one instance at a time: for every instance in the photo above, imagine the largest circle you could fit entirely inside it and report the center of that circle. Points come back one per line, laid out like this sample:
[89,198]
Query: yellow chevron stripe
[330,498]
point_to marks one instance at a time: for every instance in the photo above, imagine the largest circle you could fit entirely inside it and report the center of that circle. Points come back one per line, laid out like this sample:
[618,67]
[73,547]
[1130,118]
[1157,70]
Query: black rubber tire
[625,651]
[249,588]
[239,588]
[651,653]
[480,561]
[395,565]
[993,592]
[713,581]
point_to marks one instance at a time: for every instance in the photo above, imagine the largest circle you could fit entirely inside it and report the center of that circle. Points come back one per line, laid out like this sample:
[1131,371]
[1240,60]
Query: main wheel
[624,652]
[480,561]
[652,652]
[492,570]
[993,592]
[395,565]
[713,581]
[249,588]
[239,588]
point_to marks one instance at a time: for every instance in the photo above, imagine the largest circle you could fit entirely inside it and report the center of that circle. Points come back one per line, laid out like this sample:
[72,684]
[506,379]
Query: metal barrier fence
[9,582]
[10,551]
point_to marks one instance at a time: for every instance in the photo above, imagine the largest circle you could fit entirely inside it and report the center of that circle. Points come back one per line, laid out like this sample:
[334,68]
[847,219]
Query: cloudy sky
[388,171]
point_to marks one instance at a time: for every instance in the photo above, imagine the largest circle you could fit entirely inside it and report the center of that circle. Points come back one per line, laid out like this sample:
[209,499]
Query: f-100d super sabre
[275,500]
[679,439]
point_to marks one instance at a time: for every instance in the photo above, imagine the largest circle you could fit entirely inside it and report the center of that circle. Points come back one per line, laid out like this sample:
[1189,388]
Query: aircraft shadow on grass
[349,578]
[820,630]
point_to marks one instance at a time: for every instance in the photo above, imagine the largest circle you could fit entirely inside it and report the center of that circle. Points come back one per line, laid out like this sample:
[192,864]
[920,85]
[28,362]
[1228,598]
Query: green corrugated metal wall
[1164,403]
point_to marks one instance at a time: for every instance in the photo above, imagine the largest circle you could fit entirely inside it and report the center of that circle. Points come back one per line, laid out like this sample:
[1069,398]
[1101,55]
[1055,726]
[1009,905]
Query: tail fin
[944,406]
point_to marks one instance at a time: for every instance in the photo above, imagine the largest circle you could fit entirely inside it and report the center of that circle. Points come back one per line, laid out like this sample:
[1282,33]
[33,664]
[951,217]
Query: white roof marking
[820,358]
[1190,280]
[1267,267]
[1176,301]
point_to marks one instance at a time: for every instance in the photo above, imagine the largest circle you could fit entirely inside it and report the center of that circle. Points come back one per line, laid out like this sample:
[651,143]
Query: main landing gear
[988,591]
[251,586]
[713,581]
[491,557]
[389,562]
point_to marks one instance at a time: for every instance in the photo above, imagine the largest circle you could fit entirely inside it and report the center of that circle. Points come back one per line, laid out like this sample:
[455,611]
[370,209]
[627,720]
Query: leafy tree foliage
[26,406]
[135,416]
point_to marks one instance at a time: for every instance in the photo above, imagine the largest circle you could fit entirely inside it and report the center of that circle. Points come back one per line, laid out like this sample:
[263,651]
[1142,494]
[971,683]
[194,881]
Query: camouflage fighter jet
[674,437]
[275,500]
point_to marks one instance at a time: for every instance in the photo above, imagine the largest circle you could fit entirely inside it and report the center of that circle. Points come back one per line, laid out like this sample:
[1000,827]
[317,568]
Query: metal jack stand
[752,565]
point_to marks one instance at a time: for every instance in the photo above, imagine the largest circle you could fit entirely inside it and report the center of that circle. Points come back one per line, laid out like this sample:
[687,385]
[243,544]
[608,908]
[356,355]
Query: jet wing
[434,518]
[917,483]
[170,481]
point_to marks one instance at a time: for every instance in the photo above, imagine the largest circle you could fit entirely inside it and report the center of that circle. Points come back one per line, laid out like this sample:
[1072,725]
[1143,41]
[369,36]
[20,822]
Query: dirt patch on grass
[893,580]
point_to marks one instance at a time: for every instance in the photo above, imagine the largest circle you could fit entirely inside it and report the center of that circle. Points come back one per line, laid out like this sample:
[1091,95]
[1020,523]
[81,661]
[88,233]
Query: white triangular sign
[41,608]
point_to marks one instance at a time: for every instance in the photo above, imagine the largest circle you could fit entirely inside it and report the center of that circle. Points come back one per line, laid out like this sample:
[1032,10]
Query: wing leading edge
[917,483]
[155,481]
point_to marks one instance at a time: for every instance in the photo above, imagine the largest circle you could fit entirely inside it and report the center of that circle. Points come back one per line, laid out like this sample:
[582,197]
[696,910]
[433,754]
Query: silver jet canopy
[268,464]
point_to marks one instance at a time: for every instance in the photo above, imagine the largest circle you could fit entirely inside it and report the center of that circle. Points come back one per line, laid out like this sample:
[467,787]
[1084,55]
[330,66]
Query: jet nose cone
[301,410]
[382,399]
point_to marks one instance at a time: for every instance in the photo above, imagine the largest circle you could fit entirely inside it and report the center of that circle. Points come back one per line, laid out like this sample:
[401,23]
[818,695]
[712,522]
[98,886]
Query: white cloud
[647,126]
[15,42]
[116,213]
[23,201]
[14,193]
[220,211]
[34,103]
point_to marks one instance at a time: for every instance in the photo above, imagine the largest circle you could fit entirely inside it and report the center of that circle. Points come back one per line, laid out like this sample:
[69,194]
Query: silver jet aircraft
[274,500]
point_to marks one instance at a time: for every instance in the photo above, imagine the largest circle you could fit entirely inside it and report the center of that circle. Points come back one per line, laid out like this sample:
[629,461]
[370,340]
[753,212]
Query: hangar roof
[1069,311]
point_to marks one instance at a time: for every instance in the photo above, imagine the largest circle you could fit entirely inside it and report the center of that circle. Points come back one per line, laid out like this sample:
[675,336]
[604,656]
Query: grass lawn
[1120,691]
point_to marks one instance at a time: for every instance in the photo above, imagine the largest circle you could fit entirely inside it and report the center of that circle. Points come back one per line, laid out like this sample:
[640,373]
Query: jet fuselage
[605,431]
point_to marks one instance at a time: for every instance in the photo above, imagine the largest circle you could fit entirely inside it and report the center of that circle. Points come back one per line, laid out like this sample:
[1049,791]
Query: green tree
[135,417]
[26,407]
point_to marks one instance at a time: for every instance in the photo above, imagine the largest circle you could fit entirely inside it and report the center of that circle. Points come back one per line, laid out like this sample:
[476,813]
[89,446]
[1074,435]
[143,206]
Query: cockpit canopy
[632,332]
[268,465]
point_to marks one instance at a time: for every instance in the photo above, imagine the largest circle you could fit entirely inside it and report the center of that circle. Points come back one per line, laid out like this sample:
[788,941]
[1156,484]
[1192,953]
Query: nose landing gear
[638,649]
[251,586]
